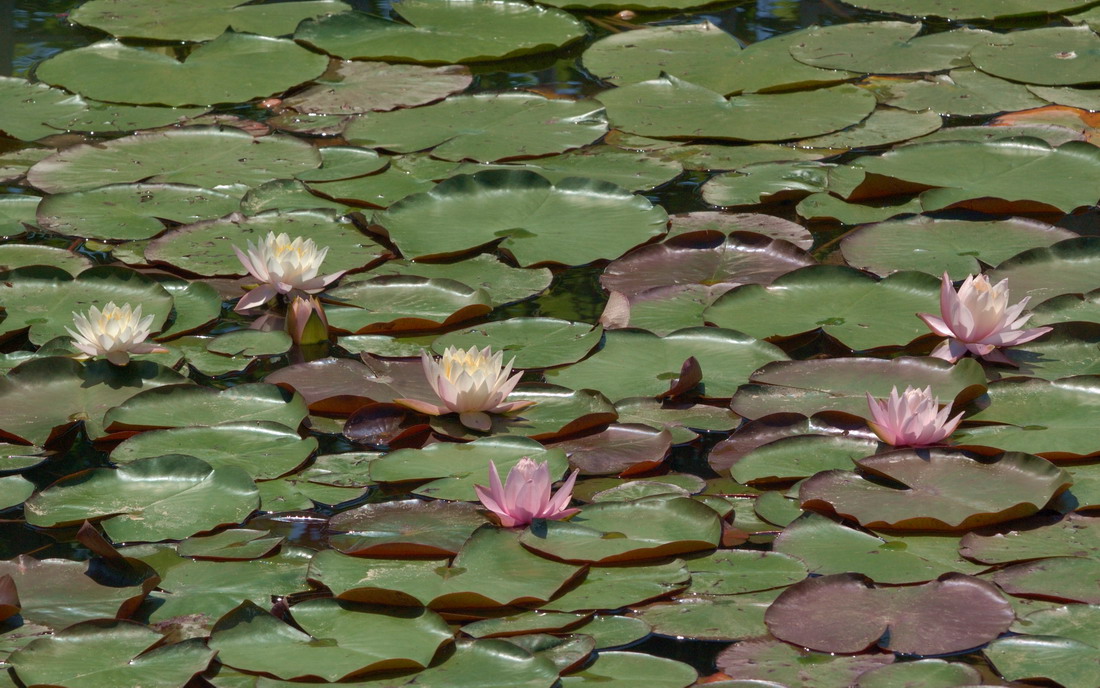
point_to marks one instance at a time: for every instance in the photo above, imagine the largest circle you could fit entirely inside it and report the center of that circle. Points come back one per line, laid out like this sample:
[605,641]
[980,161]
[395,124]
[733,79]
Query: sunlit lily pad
[828,547]
[1071,535]
[1064,578]
[800,456]
[149,499]
[440,32]
[766,182]
[1069,350]
[231,68]
[1032,273]
[885,125]
[952,246]
[201,20]
[358,87]
[397,303]
[237,544]
[179,406]
[573,222]
[944,490]
[887,47]
[628,169]
[621,585]
[409,527]
[926,673]
[706,617]
[976,9]
[625,669]
[635,363]
[847,304]
[109,653]
[17,212]
[668,107]
[206,248]
[727,223]
[767,660]
[1055,56]
[843,613]
[964,92]
[534,342]
[824,206]
[767,66]
[203,156]
[733,572]
[331,640]
[23,255]
[1069,308]
[1072,663]
[483,127]
[406,175]
[131,211]
[492,569]
[502,282]
[644,529]
[262,448]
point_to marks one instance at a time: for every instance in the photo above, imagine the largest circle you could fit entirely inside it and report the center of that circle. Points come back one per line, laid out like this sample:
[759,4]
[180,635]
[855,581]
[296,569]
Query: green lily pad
[937,246]
[1072,663]
[17,212]
[824,206]
[944,490]
[767,660]
[800,456]
[344,162]
[884,126]
[293,494]
[43,397]
[733,572]
[727,223]
[131,211]
[13,490]
[453,469]
[358,87]
[523,623]
[44,298]
[625,669]
[1071,535]
[103,653]
[406,175]
[1014,170]
[975,9]
[492,570]
[286,195]
[437,32]
[725,157]
[614,631]
[668,107]
[504,284]
[262,448]
[28,106]
[233,67]
[19,457]
[887,47]
[206,248]
[149,499]
[627,169]
[1069,308]
[238,544]
[767,66]
[180,406]
[1063,578]
[635,363]
[398,303]
[965,92]
[622,585]
[1069,350]
[331,640]
[766,182]
[483,127]
[408,527]
[534,342]
[207,157]
[535,220]
[250,343]
[1052,56]
[628,531]
[693,52]
[23,255]
[703,617]
[856,309]
[828,547]
[1031,273]
[202,20]
[923,673]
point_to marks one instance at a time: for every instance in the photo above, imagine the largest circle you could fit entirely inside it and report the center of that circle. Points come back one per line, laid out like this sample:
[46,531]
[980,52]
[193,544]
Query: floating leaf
[604,163]
[502,282]
[179,406]
[1031,272]
[534,342]
[625,669]
[399,303]
[693,52]
[22,255]
[733,572]
[621,585]
[1071,535]
[887,47]
[1060,578]
[766,182]
[963,92]
[408,527]
[976,9]
[358,87]
[1056,56]
[703,617]
[772,660]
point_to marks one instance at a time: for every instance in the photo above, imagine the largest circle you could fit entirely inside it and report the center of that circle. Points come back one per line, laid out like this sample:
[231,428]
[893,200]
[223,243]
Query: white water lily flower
[283,266]
[471,383]
[912,419]
[114,332]
[978,319]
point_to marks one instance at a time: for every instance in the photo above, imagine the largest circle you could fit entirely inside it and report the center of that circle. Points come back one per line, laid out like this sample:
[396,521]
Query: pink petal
[257,297]
[422,406]
[935,324]
[476,420]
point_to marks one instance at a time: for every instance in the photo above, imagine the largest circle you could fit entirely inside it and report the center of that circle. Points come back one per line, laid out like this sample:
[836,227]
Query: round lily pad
[1072,663]
[705,617]
[887,47]
[149,499]
[180,406]
[923,673]
[201,20]
[503,283]
[800,456]
[358,87]
[1062,578]
[573,222]
[884,125]
[1052,56]
[943,490]
[398,302]
[233,67]
[964,92]
[408,527]
[483,127]
[624,669]
[727,223]
[1070,535]
[22,255]
[630,170]
[621,585]
[976,9]
[766,182]
[635,363]
[534,342]
[446,33]
[856,309]
[1031,273]
[733,572]
[208,157]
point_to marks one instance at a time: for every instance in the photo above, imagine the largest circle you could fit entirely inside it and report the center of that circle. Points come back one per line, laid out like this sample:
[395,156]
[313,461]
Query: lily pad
[766,182]
[180,406]
[800,456]
[668,107]
[22,255]
[621,585]
[727,223]
[149,499]
[604,163]
[1030,273]
[503,283]
[635,363]
[399,303]
[330,640]
[887,47]
[733,572]
[198,21]
[233,67]
[483,127]
[1072,663]
[843,613]
[574,222]
[768,660]
[923,673]
[358,87]
[1053,56]
[703,617]
[883,126]
[208,157]
[1069,535]
[976,9]
[625,669]
[767,66]
[264,449]
[856,309]
[17,212]
[944,490]
[409,527]
[437,32]
[964,92]
[534,342]
[1060,578]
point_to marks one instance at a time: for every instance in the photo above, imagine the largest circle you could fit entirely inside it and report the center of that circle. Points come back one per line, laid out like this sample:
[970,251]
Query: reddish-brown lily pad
[623,448]
[405,528]
[844,613]
[942,490]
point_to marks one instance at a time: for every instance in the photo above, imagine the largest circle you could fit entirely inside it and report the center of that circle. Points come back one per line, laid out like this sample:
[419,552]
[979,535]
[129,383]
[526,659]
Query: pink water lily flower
[471,383]
[978,319]
[525,495]
[913,419]
[283,266]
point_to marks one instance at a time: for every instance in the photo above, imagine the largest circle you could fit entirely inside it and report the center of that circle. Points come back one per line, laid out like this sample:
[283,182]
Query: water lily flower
[913,419]
[471,383]
[306,322]
[525,495]
[978,319]
[114,332]
[283,267]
